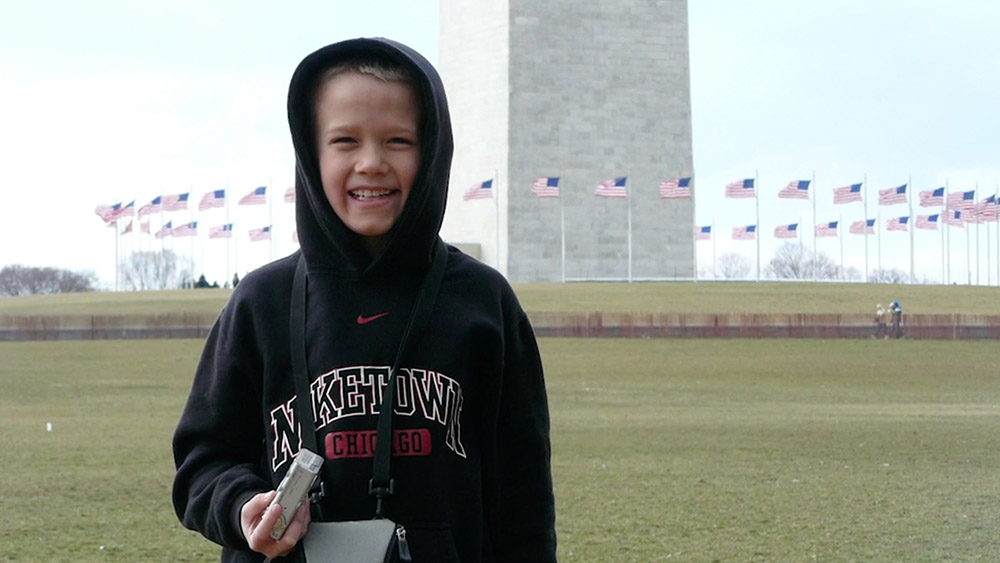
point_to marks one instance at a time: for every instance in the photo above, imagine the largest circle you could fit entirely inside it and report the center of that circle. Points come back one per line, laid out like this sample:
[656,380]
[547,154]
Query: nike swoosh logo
[363,320]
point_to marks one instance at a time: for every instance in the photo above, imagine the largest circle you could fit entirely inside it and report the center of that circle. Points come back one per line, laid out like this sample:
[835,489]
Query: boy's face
[369,153]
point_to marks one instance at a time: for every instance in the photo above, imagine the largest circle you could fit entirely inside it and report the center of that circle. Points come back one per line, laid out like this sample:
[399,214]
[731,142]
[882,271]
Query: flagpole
[694,225]
[496,206]
[968,260]
[909,203]
[878,236]
[864,179]
[996,204]
[712,233]
[562,234]
[628,205]
[975,218]
[270,218]
[756,201]
[989,262]
[947,235]
[117,265]
[163,241]
[191,220]
[812,194]
[941,226]
[229,239]
[840,223]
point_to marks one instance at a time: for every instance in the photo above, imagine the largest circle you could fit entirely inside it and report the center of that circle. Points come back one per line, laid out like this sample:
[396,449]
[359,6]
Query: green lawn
[654,297]
[663,450]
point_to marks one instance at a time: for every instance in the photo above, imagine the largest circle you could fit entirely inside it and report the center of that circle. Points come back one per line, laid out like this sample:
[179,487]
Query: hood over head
[328,245]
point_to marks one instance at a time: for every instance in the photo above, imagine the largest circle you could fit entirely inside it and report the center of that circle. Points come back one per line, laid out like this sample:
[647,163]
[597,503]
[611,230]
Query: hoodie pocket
[431,543]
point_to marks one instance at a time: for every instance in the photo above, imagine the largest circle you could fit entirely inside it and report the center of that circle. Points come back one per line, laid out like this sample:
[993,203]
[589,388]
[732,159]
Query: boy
[471,459]
[880,324]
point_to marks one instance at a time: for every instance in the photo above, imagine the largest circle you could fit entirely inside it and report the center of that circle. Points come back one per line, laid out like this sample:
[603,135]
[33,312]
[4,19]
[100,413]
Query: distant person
[471,476]
[896,310]
[881,330]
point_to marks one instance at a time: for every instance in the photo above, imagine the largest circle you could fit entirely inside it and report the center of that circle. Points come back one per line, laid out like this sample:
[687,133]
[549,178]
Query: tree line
[141,271]
[159,270]
[796,262]
[26,280]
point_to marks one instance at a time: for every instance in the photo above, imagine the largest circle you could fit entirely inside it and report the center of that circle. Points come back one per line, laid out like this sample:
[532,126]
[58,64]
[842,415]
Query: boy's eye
[402,141]
[338,140]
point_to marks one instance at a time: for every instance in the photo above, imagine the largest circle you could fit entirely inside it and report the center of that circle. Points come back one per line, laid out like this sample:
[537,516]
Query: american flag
[546,187]
[482,190]
[221,231]
[111,213]
[103,211]
[897,223]
[290,194]
[144,227]
[786,231]
[796,189]
[964,201]
[676,188]
[260,234]
[152,207]
[892,196]
[212,199]
[828,229]
[748,232]
[258,196]
[929,198]
[740,188]
[927,222]
[186,230]
[703,233]
[118,211]
[176,202]
[987,210]
[165,231]
[612,188]
[954,218]
[864,227]
[128,229]
[847,194]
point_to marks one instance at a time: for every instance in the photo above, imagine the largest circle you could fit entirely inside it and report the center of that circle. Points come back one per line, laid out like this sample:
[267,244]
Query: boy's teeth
[365,194]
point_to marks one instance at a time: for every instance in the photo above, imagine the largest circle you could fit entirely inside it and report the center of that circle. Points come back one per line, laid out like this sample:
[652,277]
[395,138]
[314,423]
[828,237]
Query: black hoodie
[471,427]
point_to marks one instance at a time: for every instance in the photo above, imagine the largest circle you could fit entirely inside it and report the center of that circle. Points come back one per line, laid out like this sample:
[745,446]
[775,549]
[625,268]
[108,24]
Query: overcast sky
[109,101]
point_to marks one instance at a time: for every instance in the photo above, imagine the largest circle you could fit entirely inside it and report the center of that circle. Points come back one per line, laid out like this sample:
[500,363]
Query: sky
[118,100]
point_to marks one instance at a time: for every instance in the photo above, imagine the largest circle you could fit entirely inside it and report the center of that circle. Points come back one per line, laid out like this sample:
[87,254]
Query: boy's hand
[257,521]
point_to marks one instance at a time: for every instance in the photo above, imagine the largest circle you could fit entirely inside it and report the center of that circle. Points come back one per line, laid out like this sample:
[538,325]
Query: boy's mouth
[370,193]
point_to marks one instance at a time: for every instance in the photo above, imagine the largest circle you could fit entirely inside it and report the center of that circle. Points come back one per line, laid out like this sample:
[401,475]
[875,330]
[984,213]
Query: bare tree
[789,262]
[796,262]
[23,280]
[882,275]
[852,274]
[149,270]
[734,266]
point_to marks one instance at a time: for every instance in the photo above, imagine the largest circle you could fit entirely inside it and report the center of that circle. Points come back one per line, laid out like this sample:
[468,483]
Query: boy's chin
[374,241]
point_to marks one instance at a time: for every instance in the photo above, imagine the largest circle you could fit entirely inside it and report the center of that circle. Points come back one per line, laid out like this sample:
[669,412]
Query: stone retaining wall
[546,324]
[103,327]
[687,325]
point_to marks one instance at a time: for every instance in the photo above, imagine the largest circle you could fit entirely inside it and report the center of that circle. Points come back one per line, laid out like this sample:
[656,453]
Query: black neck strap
[381,484]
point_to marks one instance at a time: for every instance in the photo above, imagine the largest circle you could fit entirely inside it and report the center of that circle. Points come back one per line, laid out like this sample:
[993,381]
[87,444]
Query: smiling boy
[368,146]
[372,138]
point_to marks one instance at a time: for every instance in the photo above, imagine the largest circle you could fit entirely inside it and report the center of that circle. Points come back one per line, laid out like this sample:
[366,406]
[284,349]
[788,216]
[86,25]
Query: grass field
[678,297]
[664,450]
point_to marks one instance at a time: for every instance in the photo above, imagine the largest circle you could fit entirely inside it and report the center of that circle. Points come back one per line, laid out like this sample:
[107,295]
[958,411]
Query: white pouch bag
[357,541]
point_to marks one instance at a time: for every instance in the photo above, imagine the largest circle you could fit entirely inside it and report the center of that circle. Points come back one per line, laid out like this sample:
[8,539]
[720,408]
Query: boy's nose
[371,160]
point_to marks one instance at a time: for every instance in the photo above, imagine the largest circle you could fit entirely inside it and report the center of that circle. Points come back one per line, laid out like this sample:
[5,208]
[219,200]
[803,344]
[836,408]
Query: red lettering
[361,443]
